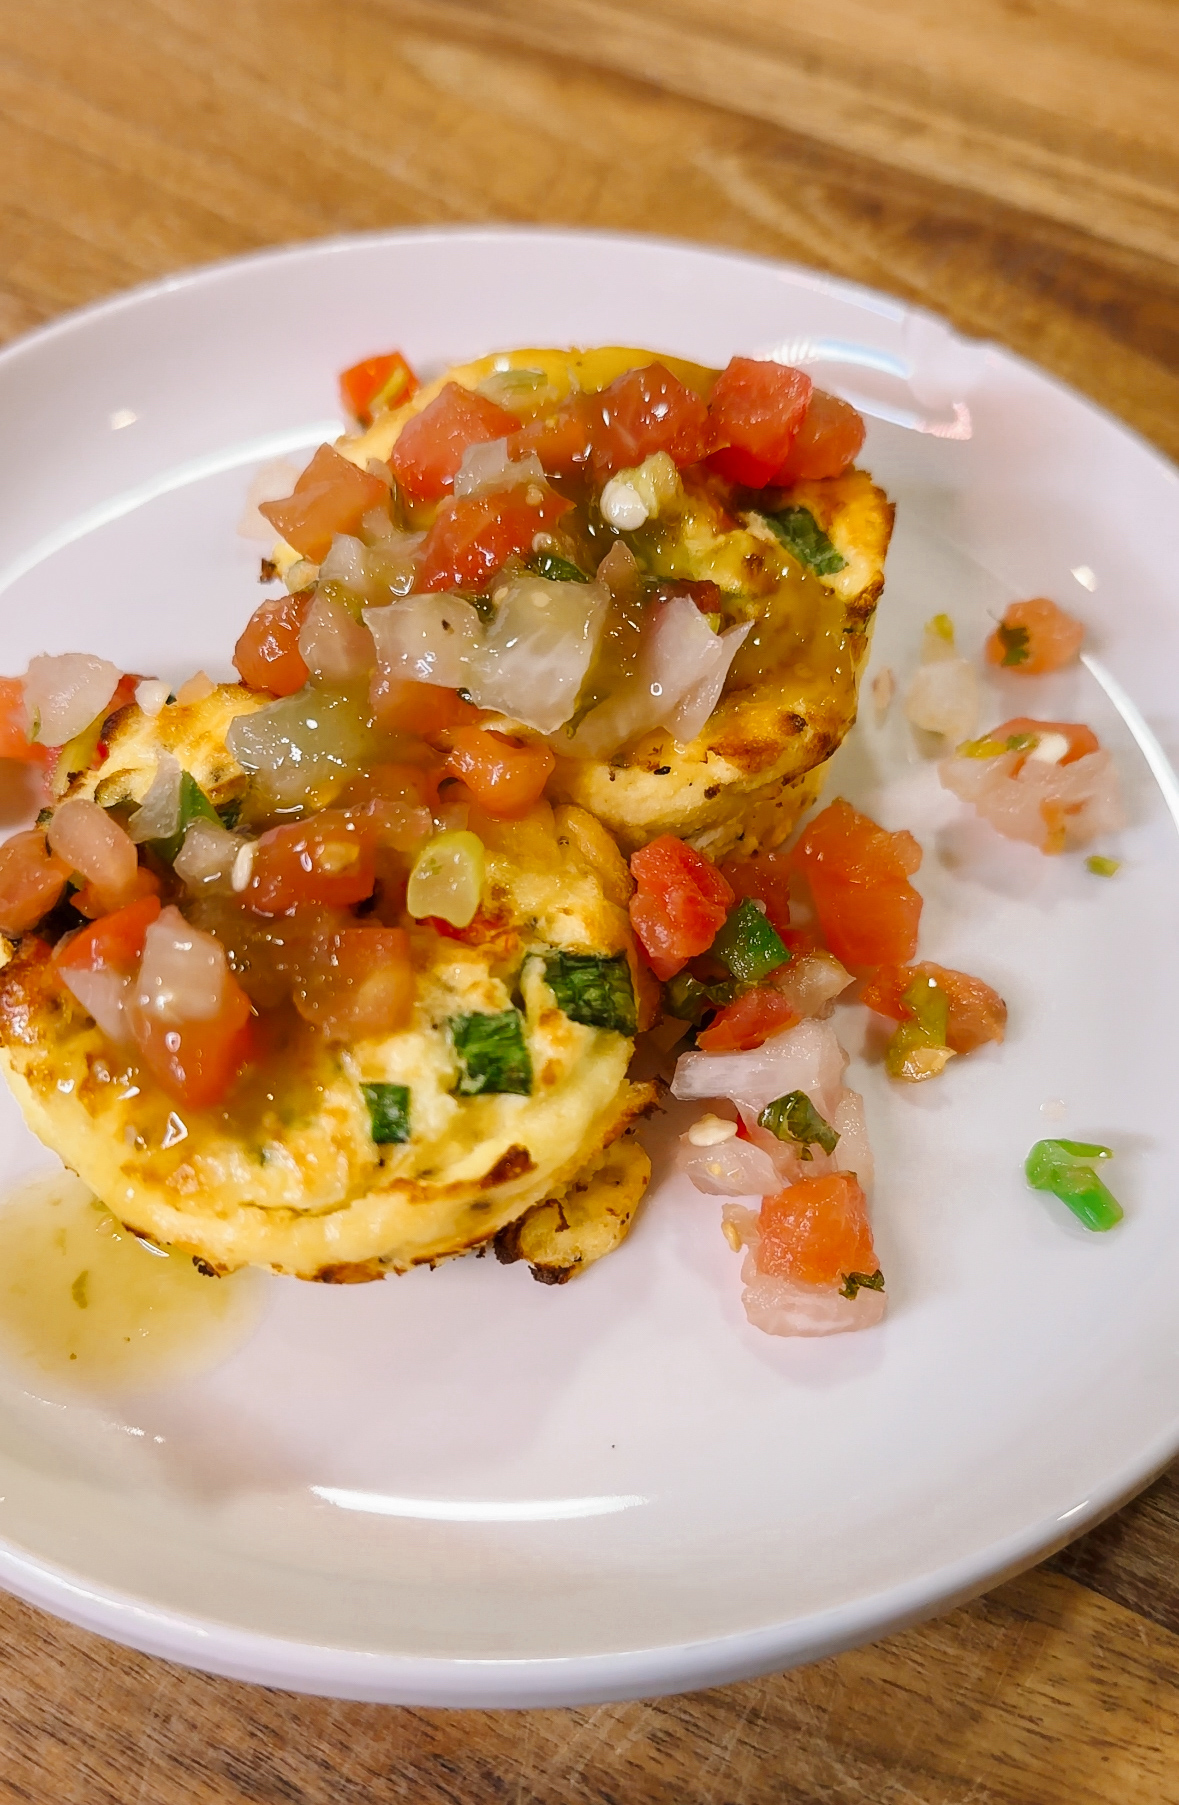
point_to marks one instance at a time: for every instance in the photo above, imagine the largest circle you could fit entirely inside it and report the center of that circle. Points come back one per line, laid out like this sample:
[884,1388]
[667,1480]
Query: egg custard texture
[791,693]
[289,1172]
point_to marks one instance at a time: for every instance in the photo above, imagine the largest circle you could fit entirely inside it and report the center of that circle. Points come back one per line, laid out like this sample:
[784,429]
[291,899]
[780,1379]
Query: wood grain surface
[1013,164]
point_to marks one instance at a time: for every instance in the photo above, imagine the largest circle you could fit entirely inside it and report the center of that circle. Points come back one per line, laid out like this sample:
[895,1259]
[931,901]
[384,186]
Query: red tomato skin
[680,902]
[764,876]
[197,1062]
[387,377]
[858,875]
[473,536]
[1081,739]
[756,408]
[645,411]
[748,1022]
[113,942]
[816,1231]
[360,984]
[332,496]
[89,901]
[31,881]
[326,860]
[429,450]
[830,438]
[506,777]
[14,733]
[267,655]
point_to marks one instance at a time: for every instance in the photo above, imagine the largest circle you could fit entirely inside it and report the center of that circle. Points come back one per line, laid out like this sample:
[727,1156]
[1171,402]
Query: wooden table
[1013,164]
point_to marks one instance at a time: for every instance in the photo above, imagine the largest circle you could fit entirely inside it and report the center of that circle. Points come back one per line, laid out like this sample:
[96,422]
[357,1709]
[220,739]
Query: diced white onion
[944,697]
[65,693]
[198,688]
[427,638]
[692,713]
[735,1168]
[779,1306]
[487,466]
[182,976]
[302,748]
[347,563]
[151,695]
[812,981]
[272,482]
[806,1057]
[94,844]
[680,652]
[537,650]
[207,856]
[158,816]
[334,647]
[102,994]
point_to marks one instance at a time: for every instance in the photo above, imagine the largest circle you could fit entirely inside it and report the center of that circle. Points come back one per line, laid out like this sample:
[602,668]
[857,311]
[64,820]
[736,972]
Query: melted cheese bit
[711,1131]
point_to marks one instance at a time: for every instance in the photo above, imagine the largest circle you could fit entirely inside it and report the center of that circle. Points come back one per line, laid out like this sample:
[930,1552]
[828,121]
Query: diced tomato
[829,439]
[389,782]
[747,1022]
[1034,637]
[113,943]
[426,458]
[473,536]
[1081,739]
[561,440]
[680,902]
[403,706]
[267,655]
[91,902]
[816,1231]
[645,411]
[326,860]
[31,881]
[332,496]
[505,776]
[196,1062]
[757,408]
[14,732]
[705,593]
[377,382]
[359,984]
[976,1012]
[765,876]
[858,875]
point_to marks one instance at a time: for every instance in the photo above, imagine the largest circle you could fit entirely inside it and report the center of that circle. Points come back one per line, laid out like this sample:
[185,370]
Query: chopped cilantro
[795,1118]
[861,1281]
[492,1054]
[688,1000]
[194,806]
[80,1290]
[556,569]
[388,1110]
[592,990]
[802,535]
[748,945]
[229,812]
[1014,641]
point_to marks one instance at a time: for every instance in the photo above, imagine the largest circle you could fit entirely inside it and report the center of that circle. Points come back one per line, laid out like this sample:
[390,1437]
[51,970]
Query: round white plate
[462,1487]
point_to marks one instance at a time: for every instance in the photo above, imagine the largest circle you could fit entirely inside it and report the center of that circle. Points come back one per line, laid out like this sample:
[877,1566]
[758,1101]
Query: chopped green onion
[802,535]
[989,748]
[795,1118]
[447,878]
[193,805]
[942,627]
[918,1049]
[690,1001]
[492,1054]
[229,812]
[1065,1168]
[1014,641]
[861,1281]
[556,569]
[1100,866]
[592,990]
[748,945]
[388,1109]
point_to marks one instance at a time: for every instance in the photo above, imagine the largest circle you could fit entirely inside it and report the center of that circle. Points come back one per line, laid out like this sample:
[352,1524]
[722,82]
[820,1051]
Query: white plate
[462,1487]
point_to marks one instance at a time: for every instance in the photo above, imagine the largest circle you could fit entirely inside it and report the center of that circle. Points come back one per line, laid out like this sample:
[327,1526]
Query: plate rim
[476,1682]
